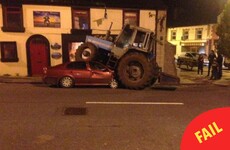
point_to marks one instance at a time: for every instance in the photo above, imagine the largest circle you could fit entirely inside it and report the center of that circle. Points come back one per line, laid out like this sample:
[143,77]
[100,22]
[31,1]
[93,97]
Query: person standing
[215,69]
[220,64]
[200,64]
[211,57]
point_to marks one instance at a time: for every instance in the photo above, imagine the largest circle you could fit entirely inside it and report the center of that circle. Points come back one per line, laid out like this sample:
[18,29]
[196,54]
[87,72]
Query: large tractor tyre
[86,52]
[135,71]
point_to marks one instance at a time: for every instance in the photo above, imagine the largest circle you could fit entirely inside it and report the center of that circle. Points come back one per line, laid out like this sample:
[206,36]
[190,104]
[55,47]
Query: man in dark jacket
[220,64]
[211,57]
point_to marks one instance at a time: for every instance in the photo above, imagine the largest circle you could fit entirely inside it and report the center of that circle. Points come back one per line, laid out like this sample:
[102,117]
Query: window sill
[9,60]
[6,29]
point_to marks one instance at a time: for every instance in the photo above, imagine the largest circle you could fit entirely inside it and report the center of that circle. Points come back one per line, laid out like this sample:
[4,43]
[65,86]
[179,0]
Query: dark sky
[193,12]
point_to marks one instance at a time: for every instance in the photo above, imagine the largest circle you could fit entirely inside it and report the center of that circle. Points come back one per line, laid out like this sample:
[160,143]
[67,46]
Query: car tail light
[45,70]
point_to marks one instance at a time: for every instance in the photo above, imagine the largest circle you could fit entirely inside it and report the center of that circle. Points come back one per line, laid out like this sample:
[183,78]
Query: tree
[223,31]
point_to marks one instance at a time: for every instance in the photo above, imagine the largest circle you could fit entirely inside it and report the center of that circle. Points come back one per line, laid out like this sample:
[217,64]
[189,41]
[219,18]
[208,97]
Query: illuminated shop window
[81,19]
[12,19]
[131,17]
[8,52]
[73,46]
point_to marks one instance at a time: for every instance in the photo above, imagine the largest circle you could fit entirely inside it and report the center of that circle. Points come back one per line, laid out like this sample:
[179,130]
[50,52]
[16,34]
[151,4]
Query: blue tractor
[132,56]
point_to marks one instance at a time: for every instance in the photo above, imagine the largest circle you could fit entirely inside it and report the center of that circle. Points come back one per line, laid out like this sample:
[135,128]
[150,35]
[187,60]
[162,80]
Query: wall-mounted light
[56,46]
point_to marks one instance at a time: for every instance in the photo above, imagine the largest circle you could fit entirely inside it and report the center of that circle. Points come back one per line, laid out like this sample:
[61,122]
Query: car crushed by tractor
[79,73]
[132,56]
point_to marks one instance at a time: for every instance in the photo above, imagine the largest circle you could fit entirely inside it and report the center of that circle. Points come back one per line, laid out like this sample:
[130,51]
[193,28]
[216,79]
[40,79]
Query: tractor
[132,55]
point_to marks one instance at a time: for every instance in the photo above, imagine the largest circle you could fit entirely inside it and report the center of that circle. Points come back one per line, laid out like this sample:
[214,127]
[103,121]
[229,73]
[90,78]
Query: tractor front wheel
[86,52]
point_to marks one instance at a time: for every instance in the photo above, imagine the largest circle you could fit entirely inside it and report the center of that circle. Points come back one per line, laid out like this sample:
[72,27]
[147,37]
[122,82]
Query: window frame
[12,49]
[173,35]
[74,10]
[185,34]
[199,35]
[136,12]
[14,10]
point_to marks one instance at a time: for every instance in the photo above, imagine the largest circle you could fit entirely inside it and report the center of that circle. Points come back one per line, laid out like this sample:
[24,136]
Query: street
[39,117]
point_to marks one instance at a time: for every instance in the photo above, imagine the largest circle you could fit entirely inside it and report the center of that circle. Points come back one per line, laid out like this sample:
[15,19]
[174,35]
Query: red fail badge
[208,131]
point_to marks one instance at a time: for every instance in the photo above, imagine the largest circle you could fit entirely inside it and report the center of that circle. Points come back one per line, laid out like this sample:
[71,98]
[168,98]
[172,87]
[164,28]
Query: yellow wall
[99,25]
[147,19]
[52,34]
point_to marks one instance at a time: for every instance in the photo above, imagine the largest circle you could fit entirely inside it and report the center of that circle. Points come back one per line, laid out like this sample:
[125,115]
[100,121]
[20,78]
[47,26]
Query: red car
[79,73]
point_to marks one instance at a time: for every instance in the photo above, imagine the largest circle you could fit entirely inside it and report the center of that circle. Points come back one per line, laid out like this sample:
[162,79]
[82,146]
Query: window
[12,19]
[81,19]
[77,65]
[192,49]
[131,17]
[8,52]
[124,38]
[173,35]
[199,34]
[97,66]
[72,47]
[139,39]
[185,34]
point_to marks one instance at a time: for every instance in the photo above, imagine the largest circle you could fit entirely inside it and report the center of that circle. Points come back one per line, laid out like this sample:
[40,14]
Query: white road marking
[134,103]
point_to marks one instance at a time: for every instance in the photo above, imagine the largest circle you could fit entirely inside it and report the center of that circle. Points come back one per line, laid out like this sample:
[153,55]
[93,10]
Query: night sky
[193,12]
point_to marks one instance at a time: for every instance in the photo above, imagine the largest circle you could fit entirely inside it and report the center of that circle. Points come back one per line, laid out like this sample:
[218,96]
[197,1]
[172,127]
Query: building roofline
[132,4]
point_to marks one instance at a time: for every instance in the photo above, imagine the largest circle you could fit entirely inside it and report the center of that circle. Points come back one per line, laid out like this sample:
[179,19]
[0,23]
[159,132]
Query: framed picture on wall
[47,19]
[81,19]
[131,17]
[8,52]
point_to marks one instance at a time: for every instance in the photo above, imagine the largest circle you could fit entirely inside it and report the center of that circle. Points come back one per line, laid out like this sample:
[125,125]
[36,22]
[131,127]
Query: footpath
[191,77]
[187,77]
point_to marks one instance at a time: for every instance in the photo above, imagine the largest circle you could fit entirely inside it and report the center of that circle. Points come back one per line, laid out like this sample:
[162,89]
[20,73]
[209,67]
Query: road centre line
[134,103]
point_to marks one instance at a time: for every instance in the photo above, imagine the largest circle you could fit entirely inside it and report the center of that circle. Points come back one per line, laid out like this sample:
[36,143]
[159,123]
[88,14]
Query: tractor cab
[133,38]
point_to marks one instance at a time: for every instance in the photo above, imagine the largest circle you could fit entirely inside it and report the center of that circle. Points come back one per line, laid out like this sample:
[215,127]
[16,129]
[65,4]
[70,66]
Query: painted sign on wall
[47,19]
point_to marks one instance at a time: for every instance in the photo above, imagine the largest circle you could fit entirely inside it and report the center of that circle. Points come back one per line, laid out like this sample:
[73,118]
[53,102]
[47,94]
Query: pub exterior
[35,34]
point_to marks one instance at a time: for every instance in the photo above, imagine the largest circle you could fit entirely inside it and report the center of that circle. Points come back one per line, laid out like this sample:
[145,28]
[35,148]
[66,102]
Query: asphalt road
[37,117]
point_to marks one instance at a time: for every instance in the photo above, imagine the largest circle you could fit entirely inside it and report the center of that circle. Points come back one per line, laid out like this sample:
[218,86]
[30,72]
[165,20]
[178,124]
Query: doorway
[38,54]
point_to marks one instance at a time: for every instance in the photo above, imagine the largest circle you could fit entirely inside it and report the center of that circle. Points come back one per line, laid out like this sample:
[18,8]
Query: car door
[100,74]
[80,72]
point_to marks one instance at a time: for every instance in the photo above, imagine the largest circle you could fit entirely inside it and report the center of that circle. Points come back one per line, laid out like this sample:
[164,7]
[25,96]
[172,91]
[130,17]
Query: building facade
[35,35]
[199,39]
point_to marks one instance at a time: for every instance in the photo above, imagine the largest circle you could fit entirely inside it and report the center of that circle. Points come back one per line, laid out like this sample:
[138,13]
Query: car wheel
[113,84]
[179,63]
[191,65]
[66,82]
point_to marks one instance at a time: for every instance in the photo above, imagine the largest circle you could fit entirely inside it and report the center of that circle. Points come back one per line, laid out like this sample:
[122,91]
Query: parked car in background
[226,63]
[189,60]
[79,73]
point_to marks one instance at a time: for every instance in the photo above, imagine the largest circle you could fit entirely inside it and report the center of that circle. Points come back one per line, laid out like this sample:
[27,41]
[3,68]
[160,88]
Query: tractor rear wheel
[86,52]
[135,71]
